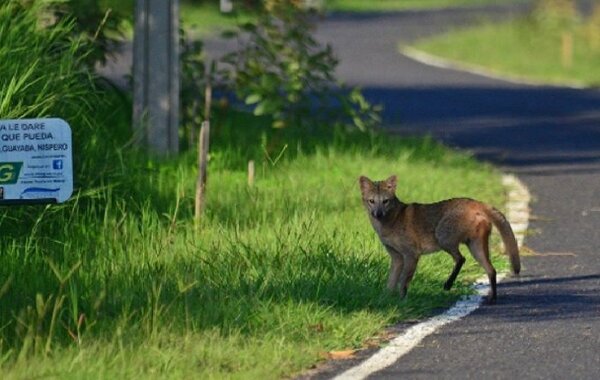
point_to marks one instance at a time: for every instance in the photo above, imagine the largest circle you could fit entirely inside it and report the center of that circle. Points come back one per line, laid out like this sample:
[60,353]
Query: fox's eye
[385,201]
[371,201]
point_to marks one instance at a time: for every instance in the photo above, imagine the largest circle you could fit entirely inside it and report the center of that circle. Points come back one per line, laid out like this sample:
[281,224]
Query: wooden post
[251,173]
[567,50]
[207,100]
[156,75]
[202,163]
[203,144]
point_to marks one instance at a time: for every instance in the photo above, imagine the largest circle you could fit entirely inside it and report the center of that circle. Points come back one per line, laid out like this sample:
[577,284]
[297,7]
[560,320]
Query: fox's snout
[377,213]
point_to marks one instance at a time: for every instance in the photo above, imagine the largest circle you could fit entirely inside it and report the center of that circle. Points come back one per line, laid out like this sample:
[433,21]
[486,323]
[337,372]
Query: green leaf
[253,98]
[260,109]
[267,107]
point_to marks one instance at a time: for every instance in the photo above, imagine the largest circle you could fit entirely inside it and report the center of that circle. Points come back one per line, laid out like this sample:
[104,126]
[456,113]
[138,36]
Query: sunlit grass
[394,5]
[278,272]
[521,48]
[119,282]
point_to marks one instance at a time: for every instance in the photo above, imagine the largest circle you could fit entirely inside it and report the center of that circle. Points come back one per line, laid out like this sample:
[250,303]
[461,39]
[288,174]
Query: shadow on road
[530,129]
[546,299]
[554,280]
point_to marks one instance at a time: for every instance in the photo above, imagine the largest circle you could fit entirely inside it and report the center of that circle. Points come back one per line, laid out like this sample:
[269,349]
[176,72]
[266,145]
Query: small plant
[281,70]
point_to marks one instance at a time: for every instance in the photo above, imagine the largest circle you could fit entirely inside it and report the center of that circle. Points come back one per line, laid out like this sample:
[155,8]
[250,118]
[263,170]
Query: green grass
[278,273]
[521,48]
[396,5]
[206,19]
[119,283]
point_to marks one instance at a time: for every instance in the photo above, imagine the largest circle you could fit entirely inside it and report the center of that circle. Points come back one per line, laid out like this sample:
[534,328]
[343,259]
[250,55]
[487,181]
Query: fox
[409,230]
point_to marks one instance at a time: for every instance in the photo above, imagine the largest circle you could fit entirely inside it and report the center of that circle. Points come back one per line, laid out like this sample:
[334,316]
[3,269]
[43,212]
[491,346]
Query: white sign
[36,161]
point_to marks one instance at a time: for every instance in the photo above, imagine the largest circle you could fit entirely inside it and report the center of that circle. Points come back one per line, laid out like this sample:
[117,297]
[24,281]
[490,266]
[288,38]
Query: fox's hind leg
[459,260]
[479,248]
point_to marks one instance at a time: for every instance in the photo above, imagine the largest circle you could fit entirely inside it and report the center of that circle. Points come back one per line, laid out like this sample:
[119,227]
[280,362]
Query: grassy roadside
[279,273]
[397,5]
[525,49]
[119,283]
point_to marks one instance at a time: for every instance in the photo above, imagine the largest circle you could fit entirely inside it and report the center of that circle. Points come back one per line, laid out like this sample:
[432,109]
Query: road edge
[517,213]
[445,63]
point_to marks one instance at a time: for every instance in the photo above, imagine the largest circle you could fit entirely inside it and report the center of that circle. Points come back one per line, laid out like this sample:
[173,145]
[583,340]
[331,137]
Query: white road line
[517,212]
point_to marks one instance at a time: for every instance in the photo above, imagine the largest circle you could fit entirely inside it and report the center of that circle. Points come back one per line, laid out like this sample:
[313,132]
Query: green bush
[281,70]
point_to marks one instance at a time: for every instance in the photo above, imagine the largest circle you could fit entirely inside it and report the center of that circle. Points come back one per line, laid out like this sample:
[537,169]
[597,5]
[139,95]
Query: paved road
[547,323]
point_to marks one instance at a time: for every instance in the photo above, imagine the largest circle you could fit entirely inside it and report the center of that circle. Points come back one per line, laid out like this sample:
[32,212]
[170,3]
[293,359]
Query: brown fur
[408,231]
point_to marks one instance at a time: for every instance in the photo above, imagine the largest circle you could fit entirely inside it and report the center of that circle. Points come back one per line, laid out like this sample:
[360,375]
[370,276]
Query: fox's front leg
[395,268]
[408,270]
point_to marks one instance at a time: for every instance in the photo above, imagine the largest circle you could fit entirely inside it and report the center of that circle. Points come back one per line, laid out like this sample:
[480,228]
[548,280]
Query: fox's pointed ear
[365,184]
[391,183]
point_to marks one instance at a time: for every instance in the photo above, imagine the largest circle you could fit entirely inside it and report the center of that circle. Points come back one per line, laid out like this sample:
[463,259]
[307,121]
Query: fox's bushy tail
[508,238]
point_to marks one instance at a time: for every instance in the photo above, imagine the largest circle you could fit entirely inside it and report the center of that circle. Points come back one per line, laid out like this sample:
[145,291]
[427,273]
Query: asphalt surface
[546,324]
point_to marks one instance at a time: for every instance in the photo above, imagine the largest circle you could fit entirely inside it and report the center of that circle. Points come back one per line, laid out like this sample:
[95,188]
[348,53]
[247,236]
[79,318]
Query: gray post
[156,75]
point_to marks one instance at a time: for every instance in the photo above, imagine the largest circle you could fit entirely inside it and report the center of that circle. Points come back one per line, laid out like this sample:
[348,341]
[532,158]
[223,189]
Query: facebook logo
[57,164]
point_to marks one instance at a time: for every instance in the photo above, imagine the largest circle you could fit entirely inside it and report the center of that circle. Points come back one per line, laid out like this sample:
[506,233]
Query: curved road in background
[547,323]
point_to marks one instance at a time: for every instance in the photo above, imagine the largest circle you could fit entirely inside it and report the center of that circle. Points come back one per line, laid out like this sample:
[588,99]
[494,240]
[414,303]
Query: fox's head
[378,196]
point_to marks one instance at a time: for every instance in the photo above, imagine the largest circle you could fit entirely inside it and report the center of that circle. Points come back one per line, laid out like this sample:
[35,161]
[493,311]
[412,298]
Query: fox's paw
[490,300]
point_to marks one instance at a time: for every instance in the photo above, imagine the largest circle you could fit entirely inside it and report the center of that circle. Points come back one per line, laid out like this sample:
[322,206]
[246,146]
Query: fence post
[251,173]
[202,164]
[567,49]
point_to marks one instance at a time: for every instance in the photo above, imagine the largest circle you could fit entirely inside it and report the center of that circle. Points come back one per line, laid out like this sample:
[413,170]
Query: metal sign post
[36,161]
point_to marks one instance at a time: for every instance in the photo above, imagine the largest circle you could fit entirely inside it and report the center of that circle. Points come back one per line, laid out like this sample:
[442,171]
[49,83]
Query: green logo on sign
[9,172]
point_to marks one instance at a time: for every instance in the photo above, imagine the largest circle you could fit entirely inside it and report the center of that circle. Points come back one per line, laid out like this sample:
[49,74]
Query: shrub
[280,70]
